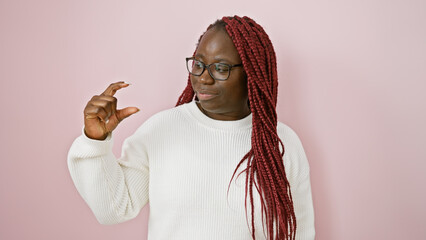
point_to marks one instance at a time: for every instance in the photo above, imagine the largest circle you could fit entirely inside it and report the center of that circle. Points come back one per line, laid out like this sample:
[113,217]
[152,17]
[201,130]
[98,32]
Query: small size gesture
[101,115]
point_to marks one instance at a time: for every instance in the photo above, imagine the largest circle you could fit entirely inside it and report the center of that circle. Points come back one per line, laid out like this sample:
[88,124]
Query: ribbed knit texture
[182,161]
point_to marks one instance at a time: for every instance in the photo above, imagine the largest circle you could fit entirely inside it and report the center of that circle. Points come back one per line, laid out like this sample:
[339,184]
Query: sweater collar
[240,124]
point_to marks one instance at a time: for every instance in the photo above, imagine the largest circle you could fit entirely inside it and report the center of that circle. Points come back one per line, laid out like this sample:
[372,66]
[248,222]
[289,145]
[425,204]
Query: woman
[184,160]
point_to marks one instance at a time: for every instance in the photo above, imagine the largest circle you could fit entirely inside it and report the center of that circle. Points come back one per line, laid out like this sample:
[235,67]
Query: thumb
[126,112]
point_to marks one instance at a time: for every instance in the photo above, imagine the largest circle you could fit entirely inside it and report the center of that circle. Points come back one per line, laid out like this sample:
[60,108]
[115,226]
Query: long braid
[265,167]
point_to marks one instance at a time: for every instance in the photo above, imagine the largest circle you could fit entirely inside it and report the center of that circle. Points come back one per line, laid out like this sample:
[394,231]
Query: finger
[103,97]
[93,112]
[126,112]
[119,116]
[114,105]
[112,101]
[112,89]
[108,105]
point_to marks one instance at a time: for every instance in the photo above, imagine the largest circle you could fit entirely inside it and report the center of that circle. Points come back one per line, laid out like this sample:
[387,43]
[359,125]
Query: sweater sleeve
[298,173]
[115,189]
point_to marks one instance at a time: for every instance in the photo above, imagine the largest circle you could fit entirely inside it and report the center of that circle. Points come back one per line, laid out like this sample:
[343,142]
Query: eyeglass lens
[219,71]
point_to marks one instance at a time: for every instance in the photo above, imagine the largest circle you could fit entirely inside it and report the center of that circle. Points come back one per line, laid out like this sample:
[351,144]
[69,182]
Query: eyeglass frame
[208,68]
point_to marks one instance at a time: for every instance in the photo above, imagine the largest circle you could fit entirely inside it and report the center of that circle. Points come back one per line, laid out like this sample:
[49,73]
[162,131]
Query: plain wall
[351,84]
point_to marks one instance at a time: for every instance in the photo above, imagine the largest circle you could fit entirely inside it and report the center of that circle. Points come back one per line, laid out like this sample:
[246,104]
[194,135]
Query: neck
[230,116]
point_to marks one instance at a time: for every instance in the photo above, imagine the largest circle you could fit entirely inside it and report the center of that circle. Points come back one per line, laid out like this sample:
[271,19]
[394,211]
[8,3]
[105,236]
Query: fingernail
[127,83]
[137,110]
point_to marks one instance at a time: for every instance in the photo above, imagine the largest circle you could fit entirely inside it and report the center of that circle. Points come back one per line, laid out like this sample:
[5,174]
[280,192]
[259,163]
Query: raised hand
[101,115]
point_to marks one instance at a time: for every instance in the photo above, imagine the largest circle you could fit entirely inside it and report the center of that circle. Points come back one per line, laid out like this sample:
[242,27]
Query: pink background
[352,85]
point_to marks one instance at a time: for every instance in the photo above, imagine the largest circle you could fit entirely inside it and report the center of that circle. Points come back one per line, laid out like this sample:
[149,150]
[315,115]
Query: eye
[222,68]
[198,64]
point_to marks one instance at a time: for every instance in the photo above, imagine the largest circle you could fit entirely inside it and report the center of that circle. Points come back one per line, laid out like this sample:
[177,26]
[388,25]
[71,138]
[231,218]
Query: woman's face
[221,100]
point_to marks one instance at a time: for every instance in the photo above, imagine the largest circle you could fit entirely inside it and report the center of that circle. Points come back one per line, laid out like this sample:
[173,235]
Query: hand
[101,115]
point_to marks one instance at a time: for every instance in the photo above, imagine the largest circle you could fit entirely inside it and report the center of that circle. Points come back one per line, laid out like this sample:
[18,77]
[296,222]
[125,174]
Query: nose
[205,78]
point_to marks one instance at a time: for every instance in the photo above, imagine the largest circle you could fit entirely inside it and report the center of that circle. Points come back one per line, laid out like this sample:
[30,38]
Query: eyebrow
[215,58]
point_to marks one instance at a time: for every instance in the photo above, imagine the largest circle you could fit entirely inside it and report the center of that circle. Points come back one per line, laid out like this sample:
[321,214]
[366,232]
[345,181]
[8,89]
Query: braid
[265,166]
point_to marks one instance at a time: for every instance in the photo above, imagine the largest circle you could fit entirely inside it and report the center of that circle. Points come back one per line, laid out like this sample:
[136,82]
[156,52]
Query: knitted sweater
[182,161]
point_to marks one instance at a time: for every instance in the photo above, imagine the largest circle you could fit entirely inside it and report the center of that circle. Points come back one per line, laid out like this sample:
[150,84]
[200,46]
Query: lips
[204,95]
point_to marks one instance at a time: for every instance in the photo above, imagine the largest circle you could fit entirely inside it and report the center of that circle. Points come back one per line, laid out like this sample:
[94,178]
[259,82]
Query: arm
[298,174]
[303,206]
[115,189]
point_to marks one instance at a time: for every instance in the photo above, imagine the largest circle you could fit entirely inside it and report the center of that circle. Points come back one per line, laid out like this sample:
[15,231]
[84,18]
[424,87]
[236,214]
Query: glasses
[218,71]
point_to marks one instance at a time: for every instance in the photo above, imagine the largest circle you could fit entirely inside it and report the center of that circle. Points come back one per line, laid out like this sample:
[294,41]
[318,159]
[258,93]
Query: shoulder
[171,113]
[163,120]
[294,152]
[288,135]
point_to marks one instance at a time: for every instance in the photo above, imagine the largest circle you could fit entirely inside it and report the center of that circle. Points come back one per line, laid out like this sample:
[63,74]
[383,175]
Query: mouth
[205,95]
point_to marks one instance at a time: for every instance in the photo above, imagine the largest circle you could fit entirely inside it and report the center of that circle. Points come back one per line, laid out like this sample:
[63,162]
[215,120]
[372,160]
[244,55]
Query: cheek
[191,78]
[240,88]
[235,92]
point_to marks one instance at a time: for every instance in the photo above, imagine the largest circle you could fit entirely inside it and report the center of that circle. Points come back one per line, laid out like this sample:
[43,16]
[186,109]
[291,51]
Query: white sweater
[181,161]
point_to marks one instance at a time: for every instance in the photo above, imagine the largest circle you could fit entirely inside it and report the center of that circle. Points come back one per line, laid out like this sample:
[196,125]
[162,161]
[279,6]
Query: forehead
[217,45]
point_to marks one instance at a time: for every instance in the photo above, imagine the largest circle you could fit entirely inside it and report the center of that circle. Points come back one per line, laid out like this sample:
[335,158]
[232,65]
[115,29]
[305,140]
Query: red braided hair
[264,160]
